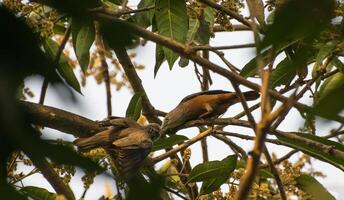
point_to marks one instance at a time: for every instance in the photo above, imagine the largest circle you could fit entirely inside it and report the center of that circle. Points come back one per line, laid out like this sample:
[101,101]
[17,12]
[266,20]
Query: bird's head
[153,130]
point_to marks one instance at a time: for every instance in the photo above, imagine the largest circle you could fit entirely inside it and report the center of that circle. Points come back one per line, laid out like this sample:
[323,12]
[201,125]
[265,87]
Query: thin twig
[235,27]
[175,193]
[281,159]
[105,68]
[237,149]
[55,62]
[227,47]
[182,146]
[231,13]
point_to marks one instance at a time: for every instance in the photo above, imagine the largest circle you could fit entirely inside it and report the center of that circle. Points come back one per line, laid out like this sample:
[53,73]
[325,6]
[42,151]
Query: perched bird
[127,142]
[205,104]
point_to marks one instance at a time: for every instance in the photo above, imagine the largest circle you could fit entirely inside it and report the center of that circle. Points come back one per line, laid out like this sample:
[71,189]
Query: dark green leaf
[250,69]
[172,22]
[183,62]
[330,97]
[116,34]
[83,35]
[159,58]
[37,193]
[307,19]
[212,185]
[145,18]
[312,147]
[168,142]
[63,66]
[203,33]
[285,72]
[312,187]
[134,108]
[212,169]
[141,188]
[66,155]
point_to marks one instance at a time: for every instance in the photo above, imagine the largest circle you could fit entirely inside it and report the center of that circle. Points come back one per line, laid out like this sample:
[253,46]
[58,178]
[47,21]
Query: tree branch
[185,52]
[60,120]
[182,146]
[231,13]
[52,177]
[136,83]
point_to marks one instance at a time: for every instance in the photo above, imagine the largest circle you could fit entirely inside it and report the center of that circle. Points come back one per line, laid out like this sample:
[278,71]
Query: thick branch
[60,120]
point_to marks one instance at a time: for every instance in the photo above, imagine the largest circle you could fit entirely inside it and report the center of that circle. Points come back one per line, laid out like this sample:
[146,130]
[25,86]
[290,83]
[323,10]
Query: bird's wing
[100,139]
[209,92]
[129,161]
[123,123]
[134,139]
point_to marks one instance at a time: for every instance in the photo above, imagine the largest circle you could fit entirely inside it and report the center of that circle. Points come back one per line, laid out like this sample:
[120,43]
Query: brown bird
[204,105]
[127,142]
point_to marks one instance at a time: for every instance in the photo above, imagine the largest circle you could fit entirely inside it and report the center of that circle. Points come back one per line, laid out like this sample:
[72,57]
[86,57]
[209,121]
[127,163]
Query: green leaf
[193,29]
[312,187]
[209,16]
[312,147]
[203,33]
[212,185]
[145,18]
[338,64]
[192,32]
[159,58]
[307,19]
[59,28]
[172,22]
[83,35]
[134,108]
[285,72]
[213,169]
[37,193]
[324,51]
[168,142]
[250,68]
[63,67]
[330,97]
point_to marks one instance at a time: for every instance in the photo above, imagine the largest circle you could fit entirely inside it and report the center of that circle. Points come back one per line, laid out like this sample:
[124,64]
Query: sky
[165,91]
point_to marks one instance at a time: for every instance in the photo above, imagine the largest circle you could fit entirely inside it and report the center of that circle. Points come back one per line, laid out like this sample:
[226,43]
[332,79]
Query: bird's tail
[99,140]
[251,95]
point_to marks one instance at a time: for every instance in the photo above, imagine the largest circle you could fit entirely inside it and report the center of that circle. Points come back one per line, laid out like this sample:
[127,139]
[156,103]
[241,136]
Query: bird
[202,105]
[127,142]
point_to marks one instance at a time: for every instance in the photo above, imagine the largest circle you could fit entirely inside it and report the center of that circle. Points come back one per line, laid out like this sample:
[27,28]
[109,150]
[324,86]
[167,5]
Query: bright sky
[165,92]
